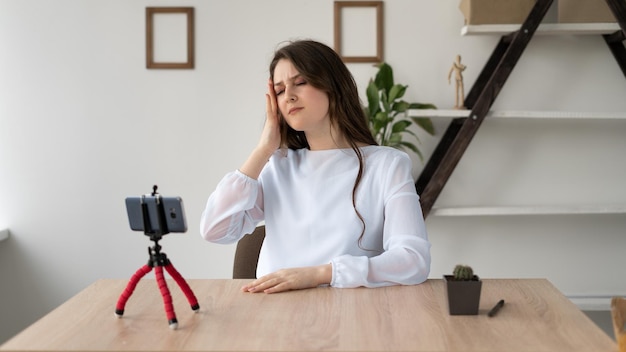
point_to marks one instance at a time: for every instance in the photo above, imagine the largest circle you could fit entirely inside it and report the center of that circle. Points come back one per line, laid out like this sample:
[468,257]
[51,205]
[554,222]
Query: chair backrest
[618,313]
[247,254]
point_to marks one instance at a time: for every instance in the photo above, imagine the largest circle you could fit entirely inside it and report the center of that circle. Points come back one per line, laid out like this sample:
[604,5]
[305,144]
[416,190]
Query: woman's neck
[326,144]
[331,138]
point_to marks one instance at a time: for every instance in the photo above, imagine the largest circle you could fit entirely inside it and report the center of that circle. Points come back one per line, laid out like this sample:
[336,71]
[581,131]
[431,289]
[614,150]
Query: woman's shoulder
[373,154]
[387,160]
[379,152]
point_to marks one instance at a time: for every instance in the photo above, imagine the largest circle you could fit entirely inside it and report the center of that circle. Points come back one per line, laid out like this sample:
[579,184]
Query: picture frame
[358,30]
[170,37]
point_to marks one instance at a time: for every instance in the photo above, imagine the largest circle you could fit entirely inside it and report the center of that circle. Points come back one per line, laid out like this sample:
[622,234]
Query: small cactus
[463,272]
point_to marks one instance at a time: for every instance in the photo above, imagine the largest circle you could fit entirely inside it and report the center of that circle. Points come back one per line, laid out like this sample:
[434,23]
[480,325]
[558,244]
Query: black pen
[496,308]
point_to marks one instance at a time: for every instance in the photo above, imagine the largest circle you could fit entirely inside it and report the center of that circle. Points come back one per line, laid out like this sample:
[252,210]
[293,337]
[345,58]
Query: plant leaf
[425,123]
[384,100]
[395,138]
[414,135]
[380,121]
[401,106]
[373,100]
[400,126]
[396,92]
[384,77]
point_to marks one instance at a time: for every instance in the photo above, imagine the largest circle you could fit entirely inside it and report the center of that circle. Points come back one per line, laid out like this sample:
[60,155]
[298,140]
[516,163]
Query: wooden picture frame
[179,54]
[360,33]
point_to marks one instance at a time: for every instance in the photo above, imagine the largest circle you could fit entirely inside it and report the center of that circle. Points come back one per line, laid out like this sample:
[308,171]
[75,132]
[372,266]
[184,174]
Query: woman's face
[304,107]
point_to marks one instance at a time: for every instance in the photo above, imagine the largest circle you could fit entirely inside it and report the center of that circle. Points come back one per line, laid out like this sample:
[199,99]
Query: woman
[338,209]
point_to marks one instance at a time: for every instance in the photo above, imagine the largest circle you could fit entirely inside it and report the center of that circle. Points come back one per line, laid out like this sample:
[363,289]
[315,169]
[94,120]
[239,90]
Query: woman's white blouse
[305,198]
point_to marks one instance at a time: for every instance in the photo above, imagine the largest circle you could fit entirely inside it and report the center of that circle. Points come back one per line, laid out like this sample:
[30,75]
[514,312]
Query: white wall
[83,124]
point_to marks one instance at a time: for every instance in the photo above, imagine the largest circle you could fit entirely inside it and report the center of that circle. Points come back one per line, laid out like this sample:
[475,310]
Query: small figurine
[459,90]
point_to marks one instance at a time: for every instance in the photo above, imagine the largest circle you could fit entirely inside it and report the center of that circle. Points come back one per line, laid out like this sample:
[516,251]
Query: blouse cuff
[346,272]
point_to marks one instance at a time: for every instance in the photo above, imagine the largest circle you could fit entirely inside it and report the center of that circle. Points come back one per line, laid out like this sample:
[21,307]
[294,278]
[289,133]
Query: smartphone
[174,214]
[135,213]
[162,214]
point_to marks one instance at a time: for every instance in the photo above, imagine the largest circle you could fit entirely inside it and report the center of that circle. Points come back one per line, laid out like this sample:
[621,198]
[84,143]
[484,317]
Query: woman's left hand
[291,279]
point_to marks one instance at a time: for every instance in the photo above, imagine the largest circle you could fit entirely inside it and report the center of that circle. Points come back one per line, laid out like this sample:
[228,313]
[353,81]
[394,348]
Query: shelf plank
[528,210]
[544,29]
[437,113]
[505,114]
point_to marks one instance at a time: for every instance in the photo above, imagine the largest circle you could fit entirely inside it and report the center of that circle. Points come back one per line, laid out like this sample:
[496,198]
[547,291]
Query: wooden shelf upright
[485,90]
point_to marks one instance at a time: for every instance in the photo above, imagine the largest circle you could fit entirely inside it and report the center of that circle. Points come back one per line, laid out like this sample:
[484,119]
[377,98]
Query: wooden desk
[536,317]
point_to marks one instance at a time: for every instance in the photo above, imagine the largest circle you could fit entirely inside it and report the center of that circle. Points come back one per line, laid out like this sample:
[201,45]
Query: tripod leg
[130,287]
[193,302]
[167,298]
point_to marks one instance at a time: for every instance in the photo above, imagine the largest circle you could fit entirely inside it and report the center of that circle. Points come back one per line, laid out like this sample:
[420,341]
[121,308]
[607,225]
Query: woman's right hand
[270,137]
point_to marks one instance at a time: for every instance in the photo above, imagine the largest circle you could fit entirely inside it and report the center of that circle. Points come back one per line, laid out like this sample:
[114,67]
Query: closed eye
[279,88]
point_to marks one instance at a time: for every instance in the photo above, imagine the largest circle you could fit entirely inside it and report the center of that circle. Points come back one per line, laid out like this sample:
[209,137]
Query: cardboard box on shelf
[495,11]
[584,11]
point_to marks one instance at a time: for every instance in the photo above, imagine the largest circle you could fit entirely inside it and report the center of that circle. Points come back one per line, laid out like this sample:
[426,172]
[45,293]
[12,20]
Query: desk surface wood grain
[536,317]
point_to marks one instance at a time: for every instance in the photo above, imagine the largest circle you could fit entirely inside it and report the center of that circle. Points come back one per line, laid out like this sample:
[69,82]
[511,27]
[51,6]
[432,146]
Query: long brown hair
[322,68]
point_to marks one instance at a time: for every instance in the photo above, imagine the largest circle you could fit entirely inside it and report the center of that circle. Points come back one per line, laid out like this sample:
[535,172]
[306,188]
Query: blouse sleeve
[406,256]
[233,209]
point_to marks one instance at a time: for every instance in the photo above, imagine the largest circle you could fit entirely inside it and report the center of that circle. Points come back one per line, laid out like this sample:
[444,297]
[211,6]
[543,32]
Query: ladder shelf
[515,38]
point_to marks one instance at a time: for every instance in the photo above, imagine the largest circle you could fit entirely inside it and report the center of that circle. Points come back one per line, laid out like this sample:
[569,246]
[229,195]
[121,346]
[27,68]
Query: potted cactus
[463,290]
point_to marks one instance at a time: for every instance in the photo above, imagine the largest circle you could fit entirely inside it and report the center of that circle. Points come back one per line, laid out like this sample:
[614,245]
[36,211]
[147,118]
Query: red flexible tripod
[158,261]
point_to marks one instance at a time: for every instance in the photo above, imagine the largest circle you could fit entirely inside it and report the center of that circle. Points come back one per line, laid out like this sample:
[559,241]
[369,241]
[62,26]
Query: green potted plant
[463,290]
[387,112]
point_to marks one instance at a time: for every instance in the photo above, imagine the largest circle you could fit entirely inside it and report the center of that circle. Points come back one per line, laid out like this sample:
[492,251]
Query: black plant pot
[463,296]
